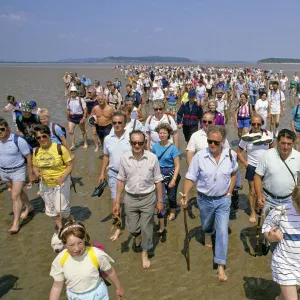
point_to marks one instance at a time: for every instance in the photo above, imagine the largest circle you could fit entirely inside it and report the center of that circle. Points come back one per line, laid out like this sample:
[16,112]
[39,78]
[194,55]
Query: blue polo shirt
[10,155]
[58,132]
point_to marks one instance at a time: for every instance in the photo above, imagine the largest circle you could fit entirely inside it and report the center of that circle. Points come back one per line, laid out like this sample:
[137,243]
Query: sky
[35,30]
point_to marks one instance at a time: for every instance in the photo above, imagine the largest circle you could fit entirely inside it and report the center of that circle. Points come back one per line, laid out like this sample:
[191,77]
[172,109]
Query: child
[172,99]
[282,225]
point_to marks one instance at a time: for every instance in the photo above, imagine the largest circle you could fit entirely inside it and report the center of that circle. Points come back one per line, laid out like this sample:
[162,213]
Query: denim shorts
[250,172]
[244,123]
[17,175]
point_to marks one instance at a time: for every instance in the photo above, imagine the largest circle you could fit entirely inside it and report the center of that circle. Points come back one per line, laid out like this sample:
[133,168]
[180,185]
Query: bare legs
[252,201]
[72,137]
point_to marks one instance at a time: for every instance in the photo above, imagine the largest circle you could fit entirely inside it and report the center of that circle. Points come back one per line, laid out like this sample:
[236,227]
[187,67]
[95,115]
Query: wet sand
[27,256]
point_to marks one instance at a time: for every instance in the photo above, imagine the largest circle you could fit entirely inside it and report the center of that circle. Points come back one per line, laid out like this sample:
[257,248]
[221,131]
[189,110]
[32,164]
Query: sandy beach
[27,256]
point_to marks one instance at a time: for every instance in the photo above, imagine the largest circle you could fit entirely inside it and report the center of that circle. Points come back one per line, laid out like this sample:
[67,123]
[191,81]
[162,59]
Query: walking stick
[258,231]
[187,242]
[60,204]
[73,184]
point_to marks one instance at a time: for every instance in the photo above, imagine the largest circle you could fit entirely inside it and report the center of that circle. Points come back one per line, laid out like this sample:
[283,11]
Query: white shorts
[98,293]
[17,175]
[52,195]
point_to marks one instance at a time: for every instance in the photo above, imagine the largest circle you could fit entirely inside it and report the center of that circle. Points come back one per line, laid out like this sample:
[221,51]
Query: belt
[138,195]
[15,168]
[212,197]
[276,197]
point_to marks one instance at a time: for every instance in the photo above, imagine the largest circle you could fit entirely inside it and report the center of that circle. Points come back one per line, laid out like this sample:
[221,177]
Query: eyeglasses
[137,143]
[73,92]
[217,143]
[255,124]
[207,122]
[43,136]
[159,108]
[2,129]
[117,122]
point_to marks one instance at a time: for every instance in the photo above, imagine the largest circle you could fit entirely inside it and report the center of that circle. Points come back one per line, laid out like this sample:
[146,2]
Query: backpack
[16,138]
[150,119]
[79,103]
[62,128]
[295,116]
[36,118]
[59,151]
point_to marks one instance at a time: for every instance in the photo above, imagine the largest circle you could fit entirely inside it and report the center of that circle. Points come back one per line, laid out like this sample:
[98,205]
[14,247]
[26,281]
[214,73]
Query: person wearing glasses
[276,172]
[14,155]
[213,169]
[76,115]
[52,163]
[254,151]
[139,174]
[158,118]
[114,98]
[116,143]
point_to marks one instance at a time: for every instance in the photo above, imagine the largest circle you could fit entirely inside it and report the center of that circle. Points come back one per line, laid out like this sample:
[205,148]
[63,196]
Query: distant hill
[279,60]
[127,59]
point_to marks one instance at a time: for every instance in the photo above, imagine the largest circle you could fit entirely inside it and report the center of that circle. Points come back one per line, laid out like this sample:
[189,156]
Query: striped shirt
[286,257]
[244,111]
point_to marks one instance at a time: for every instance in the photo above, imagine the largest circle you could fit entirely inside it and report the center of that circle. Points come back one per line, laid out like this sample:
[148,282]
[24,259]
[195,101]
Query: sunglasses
[160,109]
[117,122]
[255,124]
[207,122]
[217,143]
[43,136]
[72,92]
[137,143]
[2,129]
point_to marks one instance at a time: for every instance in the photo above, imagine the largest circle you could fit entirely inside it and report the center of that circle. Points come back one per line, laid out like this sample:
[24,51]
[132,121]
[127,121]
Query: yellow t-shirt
[51,165]
[185,97]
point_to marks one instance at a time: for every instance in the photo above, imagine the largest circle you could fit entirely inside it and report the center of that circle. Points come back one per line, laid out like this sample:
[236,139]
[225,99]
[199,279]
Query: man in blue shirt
[213,169]
[253,90]
[13,151]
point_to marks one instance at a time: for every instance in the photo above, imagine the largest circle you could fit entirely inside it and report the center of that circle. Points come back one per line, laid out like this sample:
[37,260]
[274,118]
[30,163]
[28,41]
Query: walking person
[254,151]
[139,174]
[52,163]
[213,169]
[14,156]
[80,265]
[76,115]
[295,124]
[261,107]
[242,115]
[168,158]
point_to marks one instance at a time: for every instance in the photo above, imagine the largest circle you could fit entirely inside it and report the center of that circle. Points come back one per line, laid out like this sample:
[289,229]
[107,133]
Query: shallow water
[26,257]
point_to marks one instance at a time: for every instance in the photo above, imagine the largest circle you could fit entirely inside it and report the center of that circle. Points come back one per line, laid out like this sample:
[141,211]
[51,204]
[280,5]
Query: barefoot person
[79,264]
[13,151]
[115,145]
[214,171]
[282,226]
[76,115]
[254,151]
[103,113]
[52,163]
[139,173]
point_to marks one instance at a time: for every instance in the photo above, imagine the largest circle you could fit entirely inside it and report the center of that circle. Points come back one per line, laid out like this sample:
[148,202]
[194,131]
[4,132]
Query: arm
[176,138]
[160,204]
[105,162]
[189,155]
[232,184]
[176,172]
[120,188]
[65,143]
[188,184]
[112,275]
[140,115]
[258,190]
[148,140]
[56,290]
[30,167]
[179,115]
[239,152]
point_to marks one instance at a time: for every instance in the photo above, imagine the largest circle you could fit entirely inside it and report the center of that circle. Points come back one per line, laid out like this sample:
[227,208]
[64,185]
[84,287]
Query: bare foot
[172,216]
[25,213]
[72,148]
[96,150]
[9,190]
[145,260]
[208,241]
[84,146]
[222,274]
[116,235]
[14,229]
[252,218]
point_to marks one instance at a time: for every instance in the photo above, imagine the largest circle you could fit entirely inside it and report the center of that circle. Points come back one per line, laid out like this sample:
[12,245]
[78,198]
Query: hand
[246,165]
[236,124]
[116,209]
[159,207]
[261,202]
[82,121]
[183,201]
[280,114]
[120,293]
[179,126]
[101,178]
[172,183]
[31,177]
[60,180]
[275,235]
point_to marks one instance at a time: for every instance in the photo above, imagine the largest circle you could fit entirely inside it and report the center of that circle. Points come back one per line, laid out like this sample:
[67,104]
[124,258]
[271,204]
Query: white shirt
[261,107]
[200,90]
[198,141]
[151,125]
[74,106]
[275,98]
[158,95]
[277,178]
[254,152]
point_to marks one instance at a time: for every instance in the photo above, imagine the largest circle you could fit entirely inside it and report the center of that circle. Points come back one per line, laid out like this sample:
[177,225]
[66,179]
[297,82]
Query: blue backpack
[16,138]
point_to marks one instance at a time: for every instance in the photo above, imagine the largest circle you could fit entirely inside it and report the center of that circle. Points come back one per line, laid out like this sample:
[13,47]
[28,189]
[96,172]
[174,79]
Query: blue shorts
[244,123]
[250,172]
[99,292]
[16,175]
[201,97]
[75,118]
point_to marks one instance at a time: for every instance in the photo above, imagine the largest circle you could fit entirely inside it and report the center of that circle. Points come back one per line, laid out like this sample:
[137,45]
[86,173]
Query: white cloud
[157,29]
[14,17]
[47,22]
[66,36]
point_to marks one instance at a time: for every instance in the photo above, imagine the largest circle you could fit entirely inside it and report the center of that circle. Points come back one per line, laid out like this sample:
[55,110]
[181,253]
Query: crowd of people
[141,160]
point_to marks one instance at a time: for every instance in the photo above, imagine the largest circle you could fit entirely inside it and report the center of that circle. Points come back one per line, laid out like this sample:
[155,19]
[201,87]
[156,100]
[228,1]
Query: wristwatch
[160,201]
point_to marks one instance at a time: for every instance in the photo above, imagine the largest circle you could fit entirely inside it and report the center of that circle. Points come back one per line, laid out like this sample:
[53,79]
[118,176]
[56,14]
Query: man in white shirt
[157,93]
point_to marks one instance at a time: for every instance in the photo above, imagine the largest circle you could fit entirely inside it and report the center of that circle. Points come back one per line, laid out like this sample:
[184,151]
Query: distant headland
[279,61]
[114,60]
